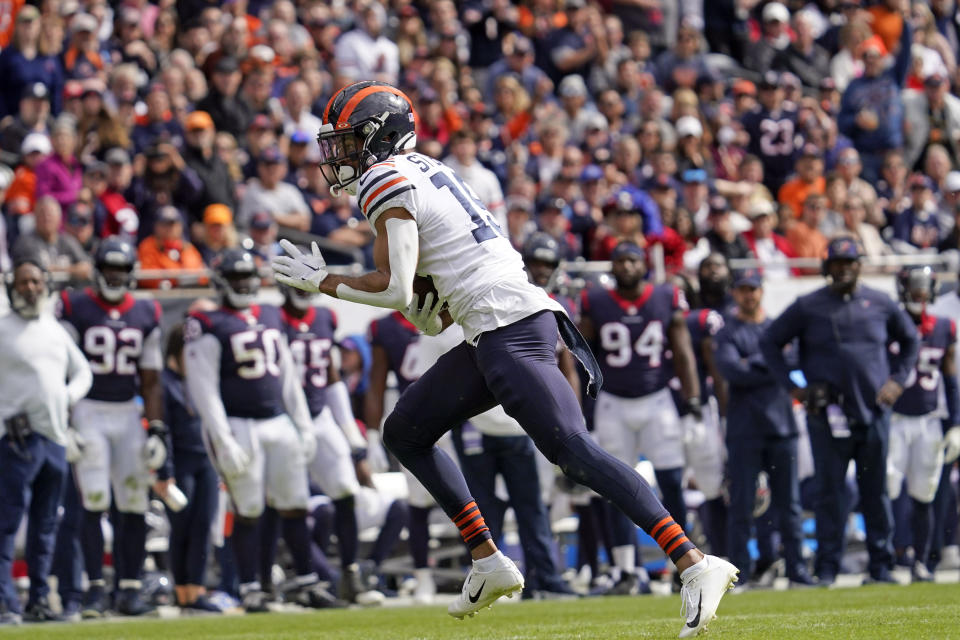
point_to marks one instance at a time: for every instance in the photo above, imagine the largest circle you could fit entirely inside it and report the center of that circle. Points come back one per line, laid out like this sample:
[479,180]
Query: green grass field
[872,613]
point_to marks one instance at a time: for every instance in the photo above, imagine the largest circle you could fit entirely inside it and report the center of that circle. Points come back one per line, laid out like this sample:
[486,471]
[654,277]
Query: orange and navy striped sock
[671,538]
[473,529]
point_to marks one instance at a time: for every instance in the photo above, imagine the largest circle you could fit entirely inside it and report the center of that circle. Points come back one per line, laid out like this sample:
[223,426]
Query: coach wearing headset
[42,374]
[853,379]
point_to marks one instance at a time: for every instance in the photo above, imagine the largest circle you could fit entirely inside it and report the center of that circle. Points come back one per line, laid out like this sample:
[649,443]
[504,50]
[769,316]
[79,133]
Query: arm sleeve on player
[294,401]
[404,249]
[202,377]
[152,356]
[79,376]
[952,392]
[338,399]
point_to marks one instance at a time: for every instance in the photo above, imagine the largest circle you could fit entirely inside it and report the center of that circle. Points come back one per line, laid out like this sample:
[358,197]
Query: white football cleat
[482,589]
[700,595]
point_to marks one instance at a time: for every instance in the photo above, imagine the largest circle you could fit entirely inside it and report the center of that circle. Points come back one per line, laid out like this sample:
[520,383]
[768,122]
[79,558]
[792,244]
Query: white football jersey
[473,265]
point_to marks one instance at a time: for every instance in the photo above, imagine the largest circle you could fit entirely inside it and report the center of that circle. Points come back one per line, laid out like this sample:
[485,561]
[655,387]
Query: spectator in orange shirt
[808,180]
[804,234]
[36,147]
[167,249]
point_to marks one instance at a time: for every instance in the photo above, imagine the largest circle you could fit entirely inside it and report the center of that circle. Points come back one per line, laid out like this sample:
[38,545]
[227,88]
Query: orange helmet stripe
[353,102]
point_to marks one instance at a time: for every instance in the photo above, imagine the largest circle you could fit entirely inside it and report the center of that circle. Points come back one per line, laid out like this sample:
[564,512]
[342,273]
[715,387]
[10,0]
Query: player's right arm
[396,251]
[683,360]
[373,400]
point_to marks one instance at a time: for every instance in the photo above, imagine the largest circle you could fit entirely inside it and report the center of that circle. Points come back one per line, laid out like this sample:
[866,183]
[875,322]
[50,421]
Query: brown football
[422,285]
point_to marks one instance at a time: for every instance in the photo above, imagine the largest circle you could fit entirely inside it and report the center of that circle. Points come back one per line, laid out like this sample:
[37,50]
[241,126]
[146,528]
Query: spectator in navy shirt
[158,123]
[22,64]
[190,470]
[917,227]
[853,379]
[871,111]
[761,435]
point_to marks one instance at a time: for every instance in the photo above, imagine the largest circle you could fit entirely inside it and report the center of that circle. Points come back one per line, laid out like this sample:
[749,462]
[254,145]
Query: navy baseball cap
[748,278]
[591,172]
[261,220]
[845,248]
[272,155]
[920,181]
[36,90]
[300,137]
[627,249]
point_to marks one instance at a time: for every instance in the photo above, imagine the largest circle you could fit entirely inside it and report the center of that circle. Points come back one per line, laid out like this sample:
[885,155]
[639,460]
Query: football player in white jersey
[428,221]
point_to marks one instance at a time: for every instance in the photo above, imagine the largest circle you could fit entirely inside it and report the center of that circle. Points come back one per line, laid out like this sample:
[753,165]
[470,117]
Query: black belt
[581,350]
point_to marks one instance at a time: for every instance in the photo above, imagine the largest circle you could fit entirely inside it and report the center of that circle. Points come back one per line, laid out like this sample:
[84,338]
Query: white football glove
[299,269]
[427,318]
[232,460]
[75,445]
[154,452]
[309,443]
[376,455]
[951,445]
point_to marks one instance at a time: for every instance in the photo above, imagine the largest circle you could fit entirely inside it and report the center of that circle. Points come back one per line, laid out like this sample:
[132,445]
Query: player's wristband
[156,428]
[358,455]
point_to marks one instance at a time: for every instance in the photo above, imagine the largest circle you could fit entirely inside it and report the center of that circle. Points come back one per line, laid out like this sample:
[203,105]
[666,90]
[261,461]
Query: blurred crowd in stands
[751,128]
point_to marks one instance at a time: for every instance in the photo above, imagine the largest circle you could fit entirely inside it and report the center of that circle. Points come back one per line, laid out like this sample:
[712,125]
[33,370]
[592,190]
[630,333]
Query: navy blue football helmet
[236,278]
[916,287]
[363,124]
[113,264]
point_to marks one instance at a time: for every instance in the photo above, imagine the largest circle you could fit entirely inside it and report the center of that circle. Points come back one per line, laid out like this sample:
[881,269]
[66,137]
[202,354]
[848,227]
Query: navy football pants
[867,447]
[190,527]
[515,366]
[31,483]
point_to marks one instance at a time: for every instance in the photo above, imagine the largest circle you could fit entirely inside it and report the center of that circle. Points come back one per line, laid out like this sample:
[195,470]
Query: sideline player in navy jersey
[427,220]
[120,337]
[246,388]
[632,328]
[773,130]
[341,448]
[916,436]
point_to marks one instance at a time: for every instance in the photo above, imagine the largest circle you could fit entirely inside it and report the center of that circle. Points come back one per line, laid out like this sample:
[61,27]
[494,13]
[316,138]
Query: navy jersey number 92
[113,338]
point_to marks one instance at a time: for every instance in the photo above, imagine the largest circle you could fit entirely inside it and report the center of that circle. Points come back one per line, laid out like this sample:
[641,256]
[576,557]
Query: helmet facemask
[344,154]
[299,299]
[113,281]
[240,290]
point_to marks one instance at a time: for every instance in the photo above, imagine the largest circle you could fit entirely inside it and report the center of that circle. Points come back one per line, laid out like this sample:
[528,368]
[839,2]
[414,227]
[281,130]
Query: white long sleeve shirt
[42,373]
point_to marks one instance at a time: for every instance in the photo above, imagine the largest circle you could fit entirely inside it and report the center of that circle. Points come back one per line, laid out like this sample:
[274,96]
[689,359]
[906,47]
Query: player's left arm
[719,383]
[149,367]
[396,251]
[683,360]
[338,399]
[948,368]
